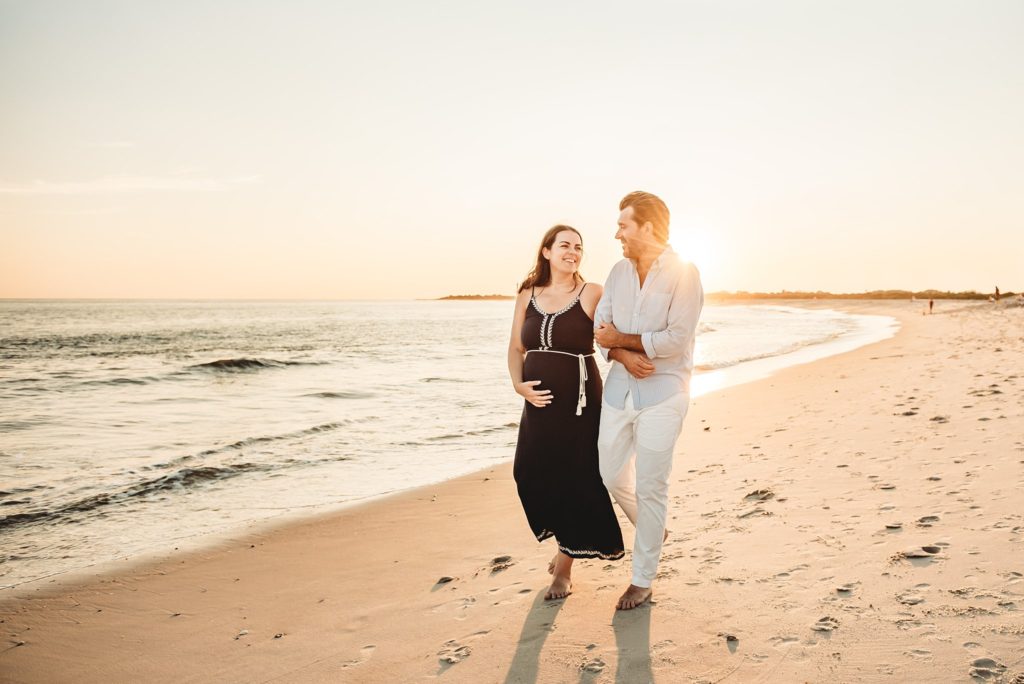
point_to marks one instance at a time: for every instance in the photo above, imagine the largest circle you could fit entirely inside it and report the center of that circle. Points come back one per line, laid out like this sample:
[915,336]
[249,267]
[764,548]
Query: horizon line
[798,294]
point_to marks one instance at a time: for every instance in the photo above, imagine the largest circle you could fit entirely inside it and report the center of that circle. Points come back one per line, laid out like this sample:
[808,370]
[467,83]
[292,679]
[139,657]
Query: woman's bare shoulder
[592,292]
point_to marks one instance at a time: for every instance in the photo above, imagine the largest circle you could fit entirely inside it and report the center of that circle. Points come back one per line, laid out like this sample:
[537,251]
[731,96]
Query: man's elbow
[669,345]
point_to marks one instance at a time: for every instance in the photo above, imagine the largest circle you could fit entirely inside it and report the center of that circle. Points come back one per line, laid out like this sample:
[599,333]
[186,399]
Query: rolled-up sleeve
[683,313]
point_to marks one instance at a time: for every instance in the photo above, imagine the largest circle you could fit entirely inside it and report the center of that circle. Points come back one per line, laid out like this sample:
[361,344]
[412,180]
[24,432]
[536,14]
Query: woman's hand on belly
[529,391]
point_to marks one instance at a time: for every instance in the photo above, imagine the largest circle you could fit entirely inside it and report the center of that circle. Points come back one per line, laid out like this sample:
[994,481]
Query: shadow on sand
[633,641]
[540,622]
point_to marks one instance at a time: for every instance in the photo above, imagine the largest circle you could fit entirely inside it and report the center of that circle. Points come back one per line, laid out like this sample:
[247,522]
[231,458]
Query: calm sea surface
[133,426]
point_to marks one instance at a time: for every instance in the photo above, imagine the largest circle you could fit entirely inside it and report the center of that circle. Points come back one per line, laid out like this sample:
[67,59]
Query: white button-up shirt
[664,312]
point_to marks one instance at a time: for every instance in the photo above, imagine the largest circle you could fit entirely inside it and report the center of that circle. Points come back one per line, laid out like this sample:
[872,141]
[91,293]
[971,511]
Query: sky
[318,149]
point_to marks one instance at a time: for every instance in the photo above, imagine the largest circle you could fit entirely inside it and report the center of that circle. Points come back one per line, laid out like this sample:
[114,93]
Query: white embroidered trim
[581,553]
[542,312]
[549,318]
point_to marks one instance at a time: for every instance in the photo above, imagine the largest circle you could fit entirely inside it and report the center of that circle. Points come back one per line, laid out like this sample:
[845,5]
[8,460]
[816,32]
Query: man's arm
[636,364]
[683,313]
[607,335]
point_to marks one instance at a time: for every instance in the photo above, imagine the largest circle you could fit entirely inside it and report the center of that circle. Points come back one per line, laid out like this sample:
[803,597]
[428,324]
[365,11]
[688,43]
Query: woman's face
[566,252]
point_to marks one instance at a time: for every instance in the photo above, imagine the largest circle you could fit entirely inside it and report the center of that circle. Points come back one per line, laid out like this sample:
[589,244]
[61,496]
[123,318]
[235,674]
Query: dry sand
[856,519]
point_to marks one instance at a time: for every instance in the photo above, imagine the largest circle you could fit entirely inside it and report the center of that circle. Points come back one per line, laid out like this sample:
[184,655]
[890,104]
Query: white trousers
[636,461]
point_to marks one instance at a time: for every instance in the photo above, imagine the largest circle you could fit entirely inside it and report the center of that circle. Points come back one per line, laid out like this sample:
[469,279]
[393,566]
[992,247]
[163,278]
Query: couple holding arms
[577,443]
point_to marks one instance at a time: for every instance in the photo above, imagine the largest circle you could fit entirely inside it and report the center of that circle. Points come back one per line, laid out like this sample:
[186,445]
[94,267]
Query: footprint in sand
[919,654]
[1012,577]
[927,520]
[501,563]
[986,668]
[760,494]
[918,553]
[909,598]
[519,594]
[780,641]
[453,653]
[825,624]
[664,646]
[459,605]
[364,654]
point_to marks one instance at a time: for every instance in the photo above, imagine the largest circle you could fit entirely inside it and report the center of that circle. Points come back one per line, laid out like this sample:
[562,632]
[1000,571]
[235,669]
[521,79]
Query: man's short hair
[648,207]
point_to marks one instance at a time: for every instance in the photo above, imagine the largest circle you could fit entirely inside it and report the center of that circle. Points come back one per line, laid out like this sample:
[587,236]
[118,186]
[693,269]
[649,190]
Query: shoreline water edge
[94,526]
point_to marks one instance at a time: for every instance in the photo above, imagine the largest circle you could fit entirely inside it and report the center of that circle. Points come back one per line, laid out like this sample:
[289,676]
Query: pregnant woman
[551,361]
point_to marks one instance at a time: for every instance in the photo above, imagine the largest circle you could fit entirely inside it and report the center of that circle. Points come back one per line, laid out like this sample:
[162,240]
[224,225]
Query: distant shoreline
[711,296]
[786,294]
[874,294]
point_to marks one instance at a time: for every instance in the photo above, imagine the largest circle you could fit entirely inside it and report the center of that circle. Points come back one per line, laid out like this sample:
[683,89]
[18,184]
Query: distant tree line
[874,294]
[477,297]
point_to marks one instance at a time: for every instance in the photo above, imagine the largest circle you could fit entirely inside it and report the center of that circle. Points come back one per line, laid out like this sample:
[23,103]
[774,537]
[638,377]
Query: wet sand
[857,518]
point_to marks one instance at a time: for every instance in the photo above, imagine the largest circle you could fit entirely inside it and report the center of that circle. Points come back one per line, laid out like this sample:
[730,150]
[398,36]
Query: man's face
[632,236]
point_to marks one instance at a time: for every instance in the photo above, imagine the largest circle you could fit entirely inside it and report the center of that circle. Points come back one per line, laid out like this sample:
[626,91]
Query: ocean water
[135,426]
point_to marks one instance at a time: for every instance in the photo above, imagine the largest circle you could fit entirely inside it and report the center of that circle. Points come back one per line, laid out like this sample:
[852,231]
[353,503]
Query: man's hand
[637,364]
[607,335]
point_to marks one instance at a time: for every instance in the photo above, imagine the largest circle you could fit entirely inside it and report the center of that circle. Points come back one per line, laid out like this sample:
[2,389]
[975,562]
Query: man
[645,324]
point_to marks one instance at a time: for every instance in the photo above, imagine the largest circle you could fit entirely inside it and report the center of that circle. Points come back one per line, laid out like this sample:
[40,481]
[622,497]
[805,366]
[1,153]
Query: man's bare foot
[561,586]
[633,597]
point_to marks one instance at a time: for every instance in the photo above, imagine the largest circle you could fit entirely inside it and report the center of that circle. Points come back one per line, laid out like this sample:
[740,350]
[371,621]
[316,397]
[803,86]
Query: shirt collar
[666,254]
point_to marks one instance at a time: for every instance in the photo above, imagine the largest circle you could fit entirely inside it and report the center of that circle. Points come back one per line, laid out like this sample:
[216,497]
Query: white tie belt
[582,399]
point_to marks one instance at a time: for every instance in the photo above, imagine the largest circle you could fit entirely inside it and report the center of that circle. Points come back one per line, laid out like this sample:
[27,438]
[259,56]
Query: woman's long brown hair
[540,276]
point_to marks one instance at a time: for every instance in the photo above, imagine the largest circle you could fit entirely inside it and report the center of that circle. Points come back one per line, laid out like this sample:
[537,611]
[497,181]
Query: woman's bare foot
[551,563]
[633,597]
[561,586]
[561,583]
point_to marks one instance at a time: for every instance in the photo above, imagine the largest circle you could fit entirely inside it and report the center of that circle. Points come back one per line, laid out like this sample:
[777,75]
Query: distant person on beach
[931,305]
[646,325]
[551,361]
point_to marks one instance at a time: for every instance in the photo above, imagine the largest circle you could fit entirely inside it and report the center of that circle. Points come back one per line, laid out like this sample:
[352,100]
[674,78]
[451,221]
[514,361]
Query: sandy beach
[855,519]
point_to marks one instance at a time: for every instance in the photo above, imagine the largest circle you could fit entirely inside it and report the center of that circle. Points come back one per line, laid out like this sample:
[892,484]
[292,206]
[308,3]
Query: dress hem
[581,553]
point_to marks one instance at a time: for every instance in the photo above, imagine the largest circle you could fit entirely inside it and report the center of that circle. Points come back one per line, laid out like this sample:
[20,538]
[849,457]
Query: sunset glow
[696,240]
[339,151]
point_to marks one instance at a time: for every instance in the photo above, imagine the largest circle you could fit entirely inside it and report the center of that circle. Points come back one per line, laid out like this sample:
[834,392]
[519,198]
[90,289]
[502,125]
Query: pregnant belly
[558,373]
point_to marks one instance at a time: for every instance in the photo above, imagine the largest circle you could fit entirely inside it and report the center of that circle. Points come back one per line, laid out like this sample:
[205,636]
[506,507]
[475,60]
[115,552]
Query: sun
[694,240]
